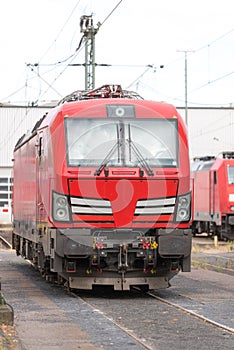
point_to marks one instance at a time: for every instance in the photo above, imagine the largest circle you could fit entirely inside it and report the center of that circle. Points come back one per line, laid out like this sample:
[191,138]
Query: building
[5,195]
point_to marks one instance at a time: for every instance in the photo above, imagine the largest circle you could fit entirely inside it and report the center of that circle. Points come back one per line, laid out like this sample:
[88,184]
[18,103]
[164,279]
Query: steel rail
[5,242]
[193,313]
[218,265]
[122,328]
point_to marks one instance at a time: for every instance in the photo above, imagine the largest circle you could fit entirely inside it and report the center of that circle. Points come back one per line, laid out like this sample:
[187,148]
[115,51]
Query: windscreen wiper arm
[106,159]
[109,155]
[139,155]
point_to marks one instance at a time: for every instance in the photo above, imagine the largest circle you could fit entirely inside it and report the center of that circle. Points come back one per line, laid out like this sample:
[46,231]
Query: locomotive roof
[206,162]
[105,91]
[80,101]
[224,155]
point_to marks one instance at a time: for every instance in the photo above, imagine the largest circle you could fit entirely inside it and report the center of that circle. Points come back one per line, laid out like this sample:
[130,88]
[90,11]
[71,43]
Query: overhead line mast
[87,28]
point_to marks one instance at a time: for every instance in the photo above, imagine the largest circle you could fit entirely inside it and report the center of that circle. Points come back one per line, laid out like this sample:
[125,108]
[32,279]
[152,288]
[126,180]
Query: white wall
[14,122]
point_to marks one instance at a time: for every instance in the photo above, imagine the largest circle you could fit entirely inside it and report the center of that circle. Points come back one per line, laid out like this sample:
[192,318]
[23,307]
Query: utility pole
[87,28]
[185,82]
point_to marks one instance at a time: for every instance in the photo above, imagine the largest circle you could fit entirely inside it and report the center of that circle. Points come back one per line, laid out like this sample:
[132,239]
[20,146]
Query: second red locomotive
[213,188]
[102,192]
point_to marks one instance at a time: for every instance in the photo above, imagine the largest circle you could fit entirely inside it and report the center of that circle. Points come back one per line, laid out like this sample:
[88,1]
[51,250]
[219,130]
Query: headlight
[61,201]
[60,207]
[183,213]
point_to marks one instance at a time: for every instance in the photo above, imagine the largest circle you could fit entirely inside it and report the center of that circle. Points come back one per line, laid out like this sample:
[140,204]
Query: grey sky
[136,34]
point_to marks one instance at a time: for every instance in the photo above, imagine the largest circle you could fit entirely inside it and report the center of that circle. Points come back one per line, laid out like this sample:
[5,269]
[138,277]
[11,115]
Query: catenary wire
[61,30]
[182,58]
[78,49]
[73,56]
[112,11]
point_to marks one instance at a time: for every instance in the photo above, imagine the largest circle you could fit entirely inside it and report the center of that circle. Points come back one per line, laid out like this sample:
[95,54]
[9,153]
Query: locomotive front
[121,205]
[213,191]
[114,193]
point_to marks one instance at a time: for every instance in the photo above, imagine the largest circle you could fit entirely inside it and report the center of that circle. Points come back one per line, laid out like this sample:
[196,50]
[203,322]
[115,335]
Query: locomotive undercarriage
[224,229]
[120,258]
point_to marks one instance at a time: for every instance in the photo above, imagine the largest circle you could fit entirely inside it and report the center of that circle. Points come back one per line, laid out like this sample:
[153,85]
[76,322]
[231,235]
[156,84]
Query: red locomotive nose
[122,202]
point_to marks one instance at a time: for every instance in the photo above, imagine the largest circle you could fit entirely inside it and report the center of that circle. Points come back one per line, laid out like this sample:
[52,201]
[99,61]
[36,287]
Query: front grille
[93,210]
[90,206]
[161,206]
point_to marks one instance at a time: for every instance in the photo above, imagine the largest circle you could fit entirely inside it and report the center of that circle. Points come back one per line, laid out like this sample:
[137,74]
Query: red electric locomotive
[102,192]
[213,188]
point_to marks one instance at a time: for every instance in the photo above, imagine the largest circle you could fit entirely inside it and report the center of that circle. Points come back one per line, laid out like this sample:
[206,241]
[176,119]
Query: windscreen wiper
[138,154]
[109,155]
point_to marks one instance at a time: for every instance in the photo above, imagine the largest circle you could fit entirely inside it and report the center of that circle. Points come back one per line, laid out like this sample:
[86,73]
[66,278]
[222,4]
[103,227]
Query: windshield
[230,174]
[119,142]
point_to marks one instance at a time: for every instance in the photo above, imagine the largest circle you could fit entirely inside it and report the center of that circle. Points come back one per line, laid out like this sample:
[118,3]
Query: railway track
[179,314]
[210,256]
[140,341]
[193,313]
[152,295]
[177,318]
[5,243]
[215,262]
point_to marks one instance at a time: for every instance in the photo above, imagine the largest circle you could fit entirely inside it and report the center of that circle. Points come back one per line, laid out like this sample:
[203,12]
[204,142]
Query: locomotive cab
[110,180]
